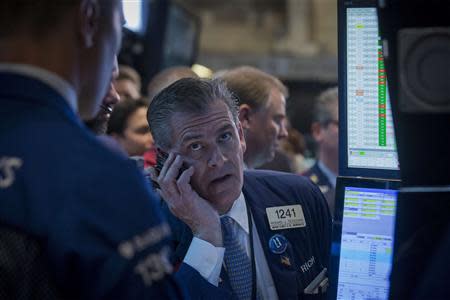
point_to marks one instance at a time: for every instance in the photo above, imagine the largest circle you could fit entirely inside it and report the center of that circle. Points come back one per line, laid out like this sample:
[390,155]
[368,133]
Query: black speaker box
[424,70]
[416,40]
[416,45]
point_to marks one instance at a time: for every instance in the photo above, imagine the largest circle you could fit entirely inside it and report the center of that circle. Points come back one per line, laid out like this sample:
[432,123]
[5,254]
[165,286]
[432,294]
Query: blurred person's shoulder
[57,150]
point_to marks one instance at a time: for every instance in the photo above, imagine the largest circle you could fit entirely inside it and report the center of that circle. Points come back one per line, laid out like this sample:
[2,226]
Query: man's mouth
[221,179]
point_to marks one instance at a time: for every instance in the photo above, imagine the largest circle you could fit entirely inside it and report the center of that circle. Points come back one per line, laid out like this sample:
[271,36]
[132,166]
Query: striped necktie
[237,262]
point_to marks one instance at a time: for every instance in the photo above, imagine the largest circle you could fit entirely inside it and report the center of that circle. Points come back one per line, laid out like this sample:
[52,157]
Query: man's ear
[244,116]
[241,137]
[88,21]
[316,130]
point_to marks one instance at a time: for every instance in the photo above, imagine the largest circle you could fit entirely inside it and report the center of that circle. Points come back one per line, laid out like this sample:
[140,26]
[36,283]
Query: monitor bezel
[344,168]
[341,183]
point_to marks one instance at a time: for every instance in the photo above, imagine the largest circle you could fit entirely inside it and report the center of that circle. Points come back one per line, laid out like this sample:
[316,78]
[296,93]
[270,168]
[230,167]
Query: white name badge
[282,217]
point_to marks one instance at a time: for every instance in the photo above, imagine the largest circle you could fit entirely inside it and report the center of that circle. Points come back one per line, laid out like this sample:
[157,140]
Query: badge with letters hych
[285,217]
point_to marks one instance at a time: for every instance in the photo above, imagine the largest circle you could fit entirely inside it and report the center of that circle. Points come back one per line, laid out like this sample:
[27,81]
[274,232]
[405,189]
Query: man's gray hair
[324,102]
[187,95]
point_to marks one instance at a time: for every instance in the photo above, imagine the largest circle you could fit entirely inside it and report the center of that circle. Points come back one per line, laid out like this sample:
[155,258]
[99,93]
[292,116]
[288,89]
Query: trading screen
[366,243]
[371,139]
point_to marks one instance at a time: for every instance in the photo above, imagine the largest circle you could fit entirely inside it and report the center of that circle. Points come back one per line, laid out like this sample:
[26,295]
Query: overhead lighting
[202,71]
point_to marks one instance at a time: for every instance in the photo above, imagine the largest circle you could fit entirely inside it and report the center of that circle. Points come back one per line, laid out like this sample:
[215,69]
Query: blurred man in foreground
[269,230]
[65,199]
[99,123]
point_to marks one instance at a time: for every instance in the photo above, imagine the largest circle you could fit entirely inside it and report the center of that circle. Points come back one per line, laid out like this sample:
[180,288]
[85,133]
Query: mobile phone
[161,158]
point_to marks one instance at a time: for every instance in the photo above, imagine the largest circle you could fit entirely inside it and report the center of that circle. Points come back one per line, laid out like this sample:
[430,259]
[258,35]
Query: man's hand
[186,204]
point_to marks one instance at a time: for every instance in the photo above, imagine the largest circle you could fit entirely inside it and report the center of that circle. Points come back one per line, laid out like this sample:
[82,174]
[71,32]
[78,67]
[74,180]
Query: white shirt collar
[239,213]
[61,86]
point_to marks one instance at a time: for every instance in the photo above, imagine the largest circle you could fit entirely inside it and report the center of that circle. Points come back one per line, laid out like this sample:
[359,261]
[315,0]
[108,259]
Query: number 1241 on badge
[283,217]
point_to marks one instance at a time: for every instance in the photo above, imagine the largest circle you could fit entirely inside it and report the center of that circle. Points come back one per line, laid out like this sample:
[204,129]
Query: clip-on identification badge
[283,217]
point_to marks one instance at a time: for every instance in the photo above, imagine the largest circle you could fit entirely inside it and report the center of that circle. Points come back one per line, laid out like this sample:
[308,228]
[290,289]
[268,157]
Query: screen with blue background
[366,243]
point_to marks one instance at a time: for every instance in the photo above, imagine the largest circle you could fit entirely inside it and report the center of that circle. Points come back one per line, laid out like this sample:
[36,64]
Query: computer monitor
[363,238]
[159,34]
[181,37]
[366,133]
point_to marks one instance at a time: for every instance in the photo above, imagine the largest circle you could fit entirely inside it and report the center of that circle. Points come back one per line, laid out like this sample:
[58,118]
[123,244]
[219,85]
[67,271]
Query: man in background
[262,112]
[128,83]
[68,229]
[166,77]
[325,131]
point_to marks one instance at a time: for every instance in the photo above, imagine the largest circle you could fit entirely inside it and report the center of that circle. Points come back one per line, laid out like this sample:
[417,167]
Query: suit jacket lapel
[258,198]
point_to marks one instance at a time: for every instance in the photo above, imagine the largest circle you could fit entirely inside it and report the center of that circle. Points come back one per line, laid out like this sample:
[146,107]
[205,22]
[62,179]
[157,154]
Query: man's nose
[217,158]
[112,97]
[148,140]
[283,131]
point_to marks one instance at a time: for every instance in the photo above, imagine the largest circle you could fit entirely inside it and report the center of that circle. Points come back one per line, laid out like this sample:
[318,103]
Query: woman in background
[128,125]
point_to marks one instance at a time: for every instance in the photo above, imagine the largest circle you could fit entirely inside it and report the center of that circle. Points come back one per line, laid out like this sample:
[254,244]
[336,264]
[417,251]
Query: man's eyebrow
[189,137]
[194,136]
[225,127]
[280,116]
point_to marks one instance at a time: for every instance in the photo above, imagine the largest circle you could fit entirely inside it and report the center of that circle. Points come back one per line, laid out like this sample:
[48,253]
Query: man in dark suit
[325,132]
[269,230]
[326,184]
[65,209]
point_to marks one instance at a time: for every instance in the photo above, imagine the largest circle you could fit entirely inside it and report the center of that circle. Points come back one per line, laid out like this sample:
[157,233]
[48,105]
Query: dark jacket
[308,246]
[317,176]
[86,206]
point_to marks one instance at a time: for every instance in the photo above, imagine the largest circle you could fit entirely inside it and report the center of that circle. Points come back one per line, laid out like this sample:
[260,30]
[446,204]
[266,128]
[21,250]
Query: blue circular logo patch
[278,244]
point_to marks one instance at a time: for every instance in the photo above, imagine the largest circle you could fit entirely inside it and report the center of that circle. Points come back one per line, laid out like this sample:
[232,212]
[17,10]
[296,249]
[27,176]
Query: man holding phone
[270,231]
